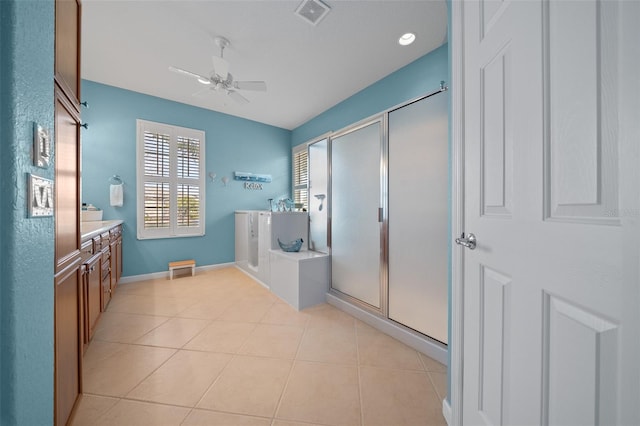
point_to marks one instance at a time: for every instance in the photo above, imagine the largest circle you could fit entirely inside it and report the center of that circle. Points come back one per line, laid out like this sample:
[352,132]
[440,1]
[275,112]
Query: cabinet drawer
[115,233]
[86,250]
[97,244]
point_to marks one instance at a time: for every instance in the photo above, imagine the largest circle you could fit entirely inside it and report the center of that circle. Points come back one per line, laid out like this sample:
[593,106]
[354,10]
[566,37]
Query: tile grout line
[286,383]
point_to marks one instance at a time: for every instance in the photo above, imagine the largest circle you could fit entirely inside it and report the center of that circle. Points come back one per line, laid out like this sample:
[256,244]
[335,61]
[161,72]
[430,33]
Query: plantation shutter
[170,181]
[188,200]
[156,180]
[301,177]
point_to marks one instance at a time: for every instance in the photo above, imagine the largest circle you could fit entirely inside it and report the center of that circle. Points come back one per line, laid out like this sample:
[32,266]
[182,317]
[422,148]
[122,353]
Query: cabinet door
[105,274]
[106,291]
[67,46]
[118,271]
[93,293]
[68,332]
[113,265]
[67,205]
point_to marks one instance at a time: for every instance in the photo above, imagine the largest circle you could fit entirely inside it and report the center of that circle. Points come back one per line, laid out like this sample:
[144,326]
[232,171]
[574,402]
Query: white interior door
[551,293]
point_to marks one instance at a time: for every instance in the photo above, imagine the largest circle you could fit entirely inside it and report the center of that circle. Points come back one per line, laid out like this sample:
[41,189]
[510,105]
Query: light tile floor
[220,349]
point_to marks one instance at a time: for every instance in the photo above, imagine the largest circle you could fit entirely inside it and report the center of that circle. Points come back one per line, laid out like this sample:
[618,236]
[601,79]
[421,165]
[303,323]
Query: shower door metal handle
[469,241]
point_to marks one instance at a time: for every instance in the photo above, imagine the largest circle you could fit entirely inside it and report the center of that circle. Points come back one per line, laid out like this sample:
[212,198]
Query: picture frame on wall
[40,202]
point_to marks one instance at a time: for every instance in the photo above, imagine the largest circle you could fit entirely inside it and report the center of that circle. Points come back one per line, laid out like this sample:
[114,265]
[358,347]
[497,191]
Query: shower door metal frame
[383,206]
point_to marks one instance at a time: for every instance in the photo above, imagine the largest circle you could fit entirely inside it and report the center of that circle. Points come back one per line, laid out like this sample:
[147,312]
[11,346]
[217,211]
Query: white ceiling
[308,69]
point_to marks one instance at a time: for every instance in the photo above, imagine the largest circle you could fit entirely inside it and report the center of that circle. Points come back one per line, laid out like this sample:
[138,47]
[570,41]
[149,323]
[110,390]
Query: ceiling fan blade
[220,67]
[259,86]
[188,73]
[237,97]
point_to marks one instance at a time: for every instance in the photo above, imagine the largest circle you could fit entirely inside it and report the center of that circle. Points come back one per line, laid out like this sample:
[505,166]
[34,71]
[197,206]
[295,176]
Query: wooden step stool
[180,264]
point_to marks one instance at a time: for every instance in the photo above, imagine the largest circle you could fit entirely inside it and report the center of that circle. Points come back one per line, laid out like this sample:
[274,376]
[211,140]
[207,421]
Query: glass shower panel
[418,211]
[318,200]
[355,202]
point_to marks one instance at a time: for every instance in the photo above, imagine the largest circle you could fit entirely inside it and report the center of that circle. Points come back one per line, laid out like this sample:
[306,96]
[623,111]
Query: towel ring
[116,180]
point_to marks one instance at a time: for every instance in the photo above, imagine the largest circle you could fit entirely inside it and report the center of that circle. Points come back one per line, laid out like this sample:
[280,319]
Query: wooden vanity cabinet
[69,298]
[101,271]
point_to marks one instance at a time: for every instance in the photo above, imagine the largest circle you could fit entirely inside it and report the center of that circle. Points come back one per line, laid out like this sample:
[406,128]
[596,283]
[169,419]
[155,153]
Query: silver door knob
[469,241]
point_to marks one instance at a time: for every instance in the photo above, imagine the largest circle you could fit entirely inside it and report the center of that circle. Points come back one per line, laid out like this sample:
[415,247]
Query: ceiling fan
[220,79]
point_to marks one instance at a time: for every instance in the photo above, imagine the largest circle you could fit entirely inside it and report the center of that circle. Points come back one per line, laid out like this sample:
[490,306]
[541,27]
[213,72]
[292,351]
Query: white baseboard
[165,274]
[249,274]
[446,411]
[435,350]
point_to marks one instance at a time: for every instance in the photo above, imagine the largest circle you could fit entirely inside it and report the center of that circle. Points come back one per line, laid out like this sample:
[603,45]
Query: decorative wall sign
[41,146]
[40,196]
[253,185]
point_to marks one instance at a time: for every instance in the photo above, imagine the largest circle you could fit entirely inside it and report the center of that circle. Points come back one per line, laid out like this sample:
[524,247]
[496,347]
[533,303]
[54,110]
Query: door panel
[493,320]
[581,349]
[355,202]
[496,142]
[418,215]
[581,111]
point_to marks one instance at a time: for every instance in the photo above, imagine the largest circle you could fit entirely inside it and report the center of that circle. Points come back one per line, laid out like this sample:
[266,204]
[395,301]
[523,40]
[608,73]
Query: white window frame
[304,147]
[174,132]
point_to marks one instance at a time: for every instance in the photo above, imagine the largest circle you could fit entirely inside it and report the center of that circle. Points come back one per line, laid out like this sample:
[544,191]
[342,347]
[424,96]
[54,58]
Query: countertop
[299,255]
[94,228]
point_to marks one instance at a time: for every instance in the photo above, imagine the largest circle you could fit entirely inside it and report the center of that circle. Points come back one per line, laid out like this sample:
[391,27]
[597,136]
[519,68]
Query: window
[301,176]
[170,181]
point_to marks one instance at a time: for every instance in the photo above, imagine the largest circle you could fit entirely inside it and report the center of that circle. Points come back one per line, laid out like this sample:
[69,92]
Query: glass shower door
[318,195]
[356,199]
[418,215]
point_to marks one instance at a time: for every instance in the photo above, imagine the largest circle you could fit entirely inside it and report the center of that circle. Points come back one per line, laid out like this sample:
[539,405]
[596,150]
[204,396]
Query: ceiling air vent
[312,11]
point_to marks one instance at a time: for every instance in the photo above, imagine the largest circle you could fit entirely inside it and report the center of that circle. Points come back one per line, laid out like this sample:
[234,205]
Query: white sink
[90,215]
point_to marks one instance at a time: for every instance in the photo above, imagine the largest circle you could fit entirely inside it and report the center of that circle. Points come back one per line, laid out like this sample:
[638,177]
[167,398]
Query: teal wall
[232,143]
[26,245]
[420,77]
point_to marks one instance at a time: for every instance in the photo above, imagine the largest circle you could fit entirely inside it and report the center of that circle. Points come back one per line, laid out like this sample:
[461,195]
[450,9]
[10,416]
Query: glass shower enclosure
[388,218]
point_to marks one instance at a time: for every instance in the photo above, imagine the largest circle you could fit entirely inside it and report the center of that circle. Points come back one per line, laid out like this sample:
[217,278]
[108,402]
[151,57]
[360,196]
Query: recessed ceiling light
[407,39]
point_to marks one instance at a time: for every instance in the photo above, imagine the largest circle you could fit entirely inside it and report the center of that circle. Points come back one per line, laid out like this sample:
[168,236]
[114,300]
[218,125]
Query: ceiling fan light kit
[220,79]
